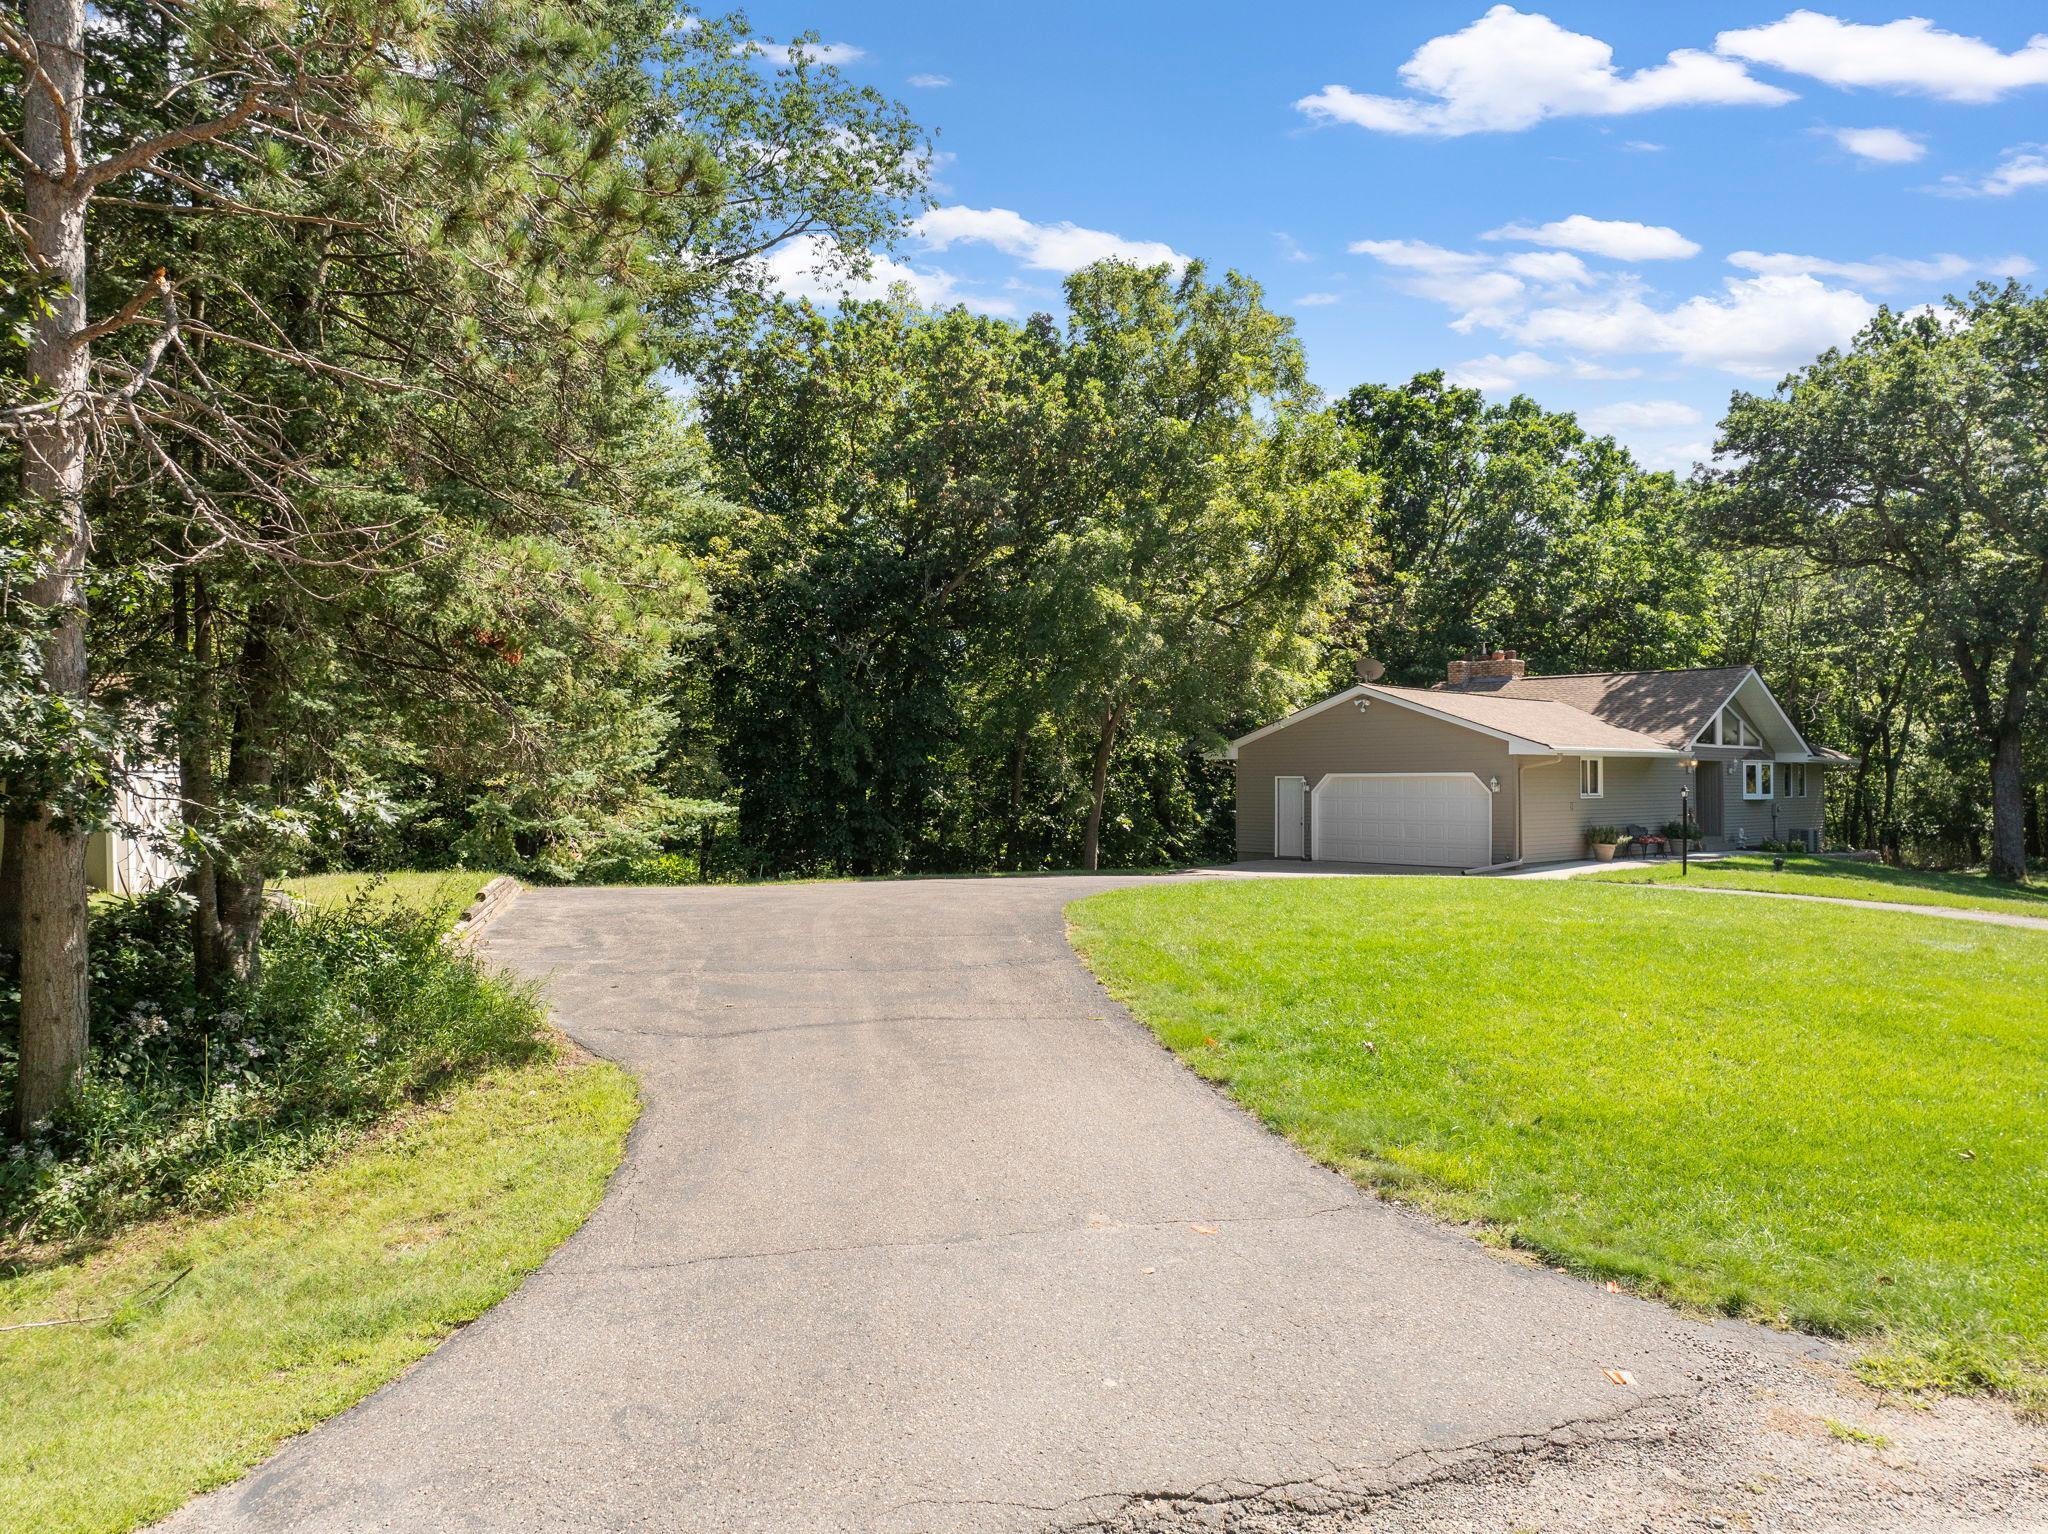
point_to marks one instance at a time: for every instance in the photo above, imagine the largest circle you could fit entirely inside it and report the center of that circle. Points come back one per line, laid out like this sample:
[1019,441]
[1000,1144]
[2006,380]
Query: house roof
[1543,722]
[1598,713]
[1670,707]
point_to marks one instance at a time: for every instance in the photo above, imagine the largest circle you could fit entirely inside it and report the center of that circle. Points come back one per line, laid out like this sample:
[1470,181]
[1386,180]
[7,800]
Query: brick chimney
[1501,664]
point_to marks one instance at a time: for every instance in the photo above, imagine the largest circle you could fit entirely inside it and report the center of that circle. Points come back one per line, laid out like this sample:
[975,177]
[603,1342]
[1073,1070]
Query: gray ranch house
[1494,767]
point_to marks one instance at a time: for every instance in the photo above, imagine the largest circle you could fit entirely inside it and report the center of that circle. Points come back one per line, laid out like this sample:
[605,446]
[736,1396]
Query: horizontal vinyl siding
[1640,791]
[1753,817]
[1383,738]
[1553,829]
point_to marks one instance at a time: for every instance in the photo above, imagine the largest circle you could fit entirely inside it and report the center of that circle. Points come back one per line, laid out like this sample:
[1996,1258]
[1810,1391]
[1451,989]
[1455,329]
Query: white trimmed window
[1592,777]
[1795,781]
[1756,780]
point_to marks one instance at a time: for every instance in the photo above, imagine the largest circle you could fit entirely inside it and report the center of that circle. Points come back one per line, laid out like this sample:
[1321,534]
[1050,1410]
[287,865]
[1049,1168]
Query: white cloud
[1556,266]
[1290,247]
[1639,415]
[1643,146]
[1758,327]
[931,82]
[812,53]
[1912,55]
[1496,373]
[1619,238]
[1882,271]
[1887,146]
[1463,280]
[1319,300]
[811,266]
[1061,247]
[1420,256]
[1510,70]
[2024,167]
[1678,457]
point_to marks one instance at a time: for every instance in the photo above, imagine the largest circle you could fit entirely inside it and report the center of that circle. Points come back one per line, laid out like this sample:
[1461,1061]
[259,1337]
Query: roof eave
[1652,752]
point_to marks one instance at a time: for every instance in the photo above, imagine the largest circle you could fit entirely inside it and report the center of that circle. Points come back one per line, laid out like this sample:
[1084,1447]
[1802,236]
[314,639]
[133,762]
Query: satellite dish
[1368,669]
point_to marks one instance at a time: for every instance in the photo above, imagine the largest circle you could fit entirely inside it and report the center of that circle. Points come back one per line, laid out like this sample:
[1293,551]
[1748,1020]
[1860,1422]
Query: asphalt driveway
[920,1232]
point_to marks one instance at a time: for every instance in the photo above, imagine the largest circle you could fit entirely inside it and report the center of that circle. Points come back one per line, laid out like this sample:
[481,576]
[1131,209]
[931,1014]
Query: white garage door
[1441,819]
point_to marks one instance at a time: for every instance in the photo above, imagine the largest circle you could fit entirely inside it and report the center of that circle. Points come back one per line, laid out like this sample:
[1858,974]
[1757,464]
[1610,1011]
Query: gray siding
[1640,791]
[1740,815]
[1643,791]
[1383,738]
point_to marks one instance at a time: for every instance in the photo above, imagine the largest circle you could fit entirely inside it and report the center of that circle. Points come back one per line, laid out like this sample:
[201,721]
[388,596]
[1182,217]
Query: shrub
[197,1102]
[1603,835]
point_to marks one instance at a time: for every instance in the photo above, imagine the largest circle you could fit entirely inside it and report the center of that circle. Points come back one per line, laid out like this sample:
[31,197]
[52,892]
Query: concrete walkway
[920,1233]
[1948,912]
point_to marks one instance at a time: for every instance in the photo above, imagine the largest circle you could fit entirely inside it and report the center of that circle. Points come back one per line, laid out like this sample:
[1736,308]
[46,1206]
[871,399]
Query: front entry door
[1290,810]
[1711,775]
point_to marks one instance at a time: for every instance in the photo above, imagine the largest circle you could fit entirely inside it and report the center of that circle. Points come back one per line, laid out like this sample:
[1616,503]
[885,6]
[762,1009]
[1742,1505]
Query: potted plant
[1604,840]
[1679,832]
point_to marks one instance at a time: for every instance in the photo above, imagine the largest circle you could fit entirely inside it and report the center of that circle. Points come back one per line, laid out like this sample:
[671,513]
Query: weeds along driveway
[920,1232]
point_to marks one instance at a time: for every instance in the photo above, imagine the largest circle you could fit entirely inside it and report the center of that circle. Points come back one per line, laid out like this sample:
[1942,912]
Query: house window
[1592,777]
[1756,780]
[1795,781]
[1731,729]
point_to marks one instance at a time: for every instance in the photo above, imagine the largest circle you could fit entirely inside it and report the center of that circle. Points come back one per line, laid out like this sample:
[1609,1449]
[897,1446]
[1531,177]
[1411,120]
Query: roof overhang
[1518,745]
[1654,753]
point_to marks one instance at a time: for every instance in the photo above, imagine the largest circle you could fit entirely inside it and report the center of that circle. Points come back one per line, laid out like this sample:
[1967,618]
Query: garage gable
[1381,738]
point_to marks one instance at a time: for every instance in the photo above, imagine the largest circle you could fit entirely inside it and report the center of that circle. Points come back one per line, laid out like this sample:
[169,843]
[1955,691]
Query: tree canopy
[1918,457]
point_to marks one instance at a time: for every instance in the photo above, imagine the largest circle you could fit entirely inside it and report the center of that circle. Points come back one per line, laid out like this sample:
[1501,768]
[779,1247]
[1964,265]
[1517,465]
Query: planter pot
[1604,851]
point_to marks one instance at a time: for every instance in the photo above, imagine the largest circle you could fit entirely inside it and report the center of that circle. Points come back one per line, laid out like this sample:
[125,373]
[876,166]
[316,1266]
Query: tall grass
[196,1101]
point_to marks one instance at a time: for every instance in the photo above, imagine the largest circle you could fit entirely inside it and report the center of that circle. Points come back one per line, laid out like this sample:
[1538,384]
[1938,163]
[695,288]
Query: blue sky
[1626,210]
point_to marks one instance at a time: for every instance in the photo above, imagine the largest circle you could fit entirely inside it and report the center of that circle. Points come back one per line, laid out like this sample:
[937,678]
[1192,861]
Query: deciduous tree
[1921,453]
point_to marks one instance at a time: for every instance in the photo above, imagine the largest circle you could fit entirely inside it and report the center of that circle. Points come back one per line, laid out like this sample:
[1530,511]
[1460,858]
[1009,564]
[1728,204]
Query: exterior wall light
[1493,783]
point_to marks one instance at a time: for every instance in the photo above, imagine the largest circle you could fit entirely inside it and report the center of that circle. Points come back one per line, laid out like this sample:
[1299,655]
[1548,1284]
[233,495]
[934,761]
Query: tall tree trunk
[2008,808]
[1895,758]
[54,445]
[1098,788]
[1014,831]
[10,884]
[1858,816]
[198,796]
[251,779]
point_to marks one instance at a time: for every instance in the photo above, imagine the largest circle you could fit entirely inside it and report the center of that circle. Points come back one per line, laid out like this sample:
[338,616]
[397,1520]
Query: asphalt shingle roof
[1548,722]
[1669,707]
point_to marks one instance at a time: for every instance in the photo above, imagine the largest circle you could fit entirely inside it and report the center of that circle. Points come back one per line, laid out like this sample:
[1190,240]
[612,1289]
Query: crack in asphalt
[964,1239]
[1294,1496]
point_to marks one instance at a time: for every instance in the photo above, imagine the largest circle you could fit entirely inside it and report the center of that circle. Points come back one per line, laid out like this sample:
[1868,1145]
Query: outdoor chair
[1641,839]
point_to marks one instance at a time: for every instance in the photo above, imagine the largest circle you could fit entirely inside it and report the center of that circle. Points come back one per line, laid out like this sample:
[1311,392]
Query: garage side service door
[1442,820]
[1290,814]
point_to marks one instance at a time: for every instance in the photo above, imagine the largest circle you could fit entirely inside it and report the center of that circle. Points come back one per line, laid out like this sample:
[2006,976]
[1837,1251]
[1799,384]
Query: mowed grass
[439,892]
[1821,1117]
[1844,879]
[293,1307]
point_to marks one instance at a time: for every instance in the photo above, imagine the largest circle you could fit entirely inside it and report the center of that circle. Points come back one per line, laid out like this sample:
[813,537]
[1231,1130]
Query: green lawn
[1822,1117]
[1845,879]
[443,891]
[293,1307]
